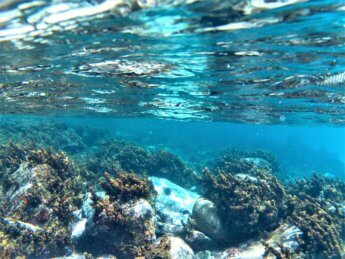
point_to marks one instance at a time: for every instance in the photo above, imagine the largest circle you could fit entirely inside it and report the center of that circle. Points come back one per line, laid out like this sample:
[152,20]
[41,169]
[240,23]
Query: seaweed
[320,187]
[159,250]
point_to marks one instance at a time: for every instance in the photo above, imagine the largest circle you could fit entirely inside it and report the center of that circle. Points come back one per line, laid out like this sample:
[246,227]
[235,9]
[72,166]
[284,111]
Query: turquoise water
[229,115]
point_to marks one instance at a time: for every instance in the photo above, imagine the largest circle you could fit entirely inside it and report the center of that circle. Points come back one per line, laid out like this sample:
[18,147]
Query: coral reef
[56,135]
[320,187]
[114,156]
[247,206]
[321,231]
[241,161]
[42,190]
[253,203]
[126,187]
[51,206]
[318,204]
[122,223]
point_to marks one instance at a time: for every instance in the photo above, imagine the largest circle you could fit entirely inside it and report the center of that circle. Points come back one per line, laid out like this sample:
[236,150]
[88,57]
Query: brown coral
[116,155]
[126,187]
[247,206]
[42,189]
[116,226]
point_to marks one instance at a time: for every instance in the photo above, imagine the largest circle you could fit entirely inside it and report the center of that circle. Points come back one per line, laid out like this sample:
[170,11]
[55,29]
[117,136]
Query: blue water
[194,78]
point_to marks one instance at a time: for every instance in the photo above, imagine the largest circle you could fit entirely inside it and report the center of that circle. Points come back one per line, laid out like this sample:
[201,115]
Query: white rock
[78,228]
[246,176]
[23,225]
[87,210]
[139,209]
[285,235]
[174,204]
[179,249]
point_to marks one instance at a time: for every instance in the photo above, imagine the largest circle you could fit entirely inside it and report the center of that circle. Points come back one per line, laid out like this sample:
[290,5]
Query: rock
[141,209]
[199,241]
[170,247]
[205,218]
[174,205]
[83,215]
[258,161]
[78,229]
[37,206]
[87,210]
[284,236]
[246,176]
[180,249]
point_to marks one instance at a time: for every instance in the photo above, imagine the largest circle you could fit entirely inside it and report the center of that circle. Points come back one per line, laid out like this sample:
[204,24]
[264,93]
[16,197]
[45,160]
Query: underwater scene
[172,129]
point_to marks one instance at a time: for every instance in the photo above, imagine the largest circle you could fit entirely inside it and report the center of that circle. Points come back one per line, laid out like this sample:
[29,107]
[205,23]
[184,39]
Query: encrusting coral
[41,191]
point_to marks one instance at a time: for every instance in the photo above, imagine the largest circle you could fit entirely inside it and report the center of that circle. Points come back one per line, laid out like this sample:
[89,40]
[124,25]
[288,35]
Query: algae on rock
[42,189]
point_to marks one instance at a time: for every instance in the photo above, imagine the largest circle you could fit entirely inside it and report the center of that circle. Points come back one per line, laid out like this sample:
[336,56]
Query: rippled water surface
[244,61]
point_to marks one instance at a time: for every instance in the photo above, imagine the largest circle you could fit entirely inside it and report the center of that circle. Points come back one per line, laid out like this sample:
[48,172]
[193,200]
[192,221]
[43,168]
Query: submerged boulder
[173,204]
[199,241]
[206,219]
[180,249]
